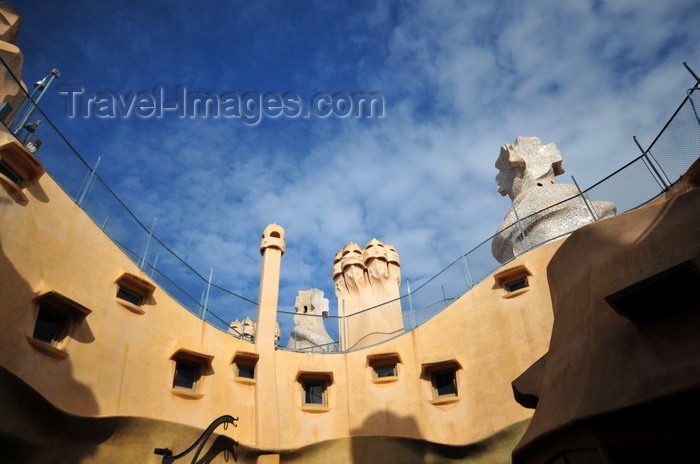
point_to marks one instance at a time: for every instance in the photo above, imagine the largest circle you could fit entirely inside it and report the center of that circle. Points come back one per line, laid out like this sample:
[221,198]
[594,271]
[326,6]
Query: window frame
[381,361]
[68,313]
[56,330]
[506,279]
[309,386]
[190,358]
[241,360]
[188,368]
[138,290]
[24,168]
[11,173]
[307,379]
[430,373]
[437,383]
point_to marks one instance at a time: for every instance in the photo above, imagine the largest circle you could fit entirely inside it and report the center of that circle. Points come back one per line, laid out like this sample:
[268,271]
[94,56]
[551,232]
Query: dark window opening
[445,383]
[186,375]
[314,392]
[49,327]
[516,285]
[10,173]
[246,371]
[130,296]
[387,370]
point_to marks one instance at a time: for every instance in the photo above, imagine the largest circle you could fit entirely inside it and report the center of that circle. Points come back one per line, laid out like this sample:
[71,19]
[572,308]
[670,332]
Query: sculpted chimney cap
[337,269]
[351,254]
[374,249]
[392,255]
[272,237]
[9,23]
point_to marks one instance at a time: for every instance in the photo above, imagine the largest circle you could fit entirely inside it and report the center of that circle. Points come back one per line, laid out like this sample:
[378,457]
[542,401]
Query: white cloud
[460,81]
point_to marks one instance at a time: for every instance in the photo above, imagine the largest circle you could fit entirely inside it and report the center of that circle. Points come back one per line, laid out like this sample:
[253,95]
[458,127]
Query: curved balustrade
[641,180]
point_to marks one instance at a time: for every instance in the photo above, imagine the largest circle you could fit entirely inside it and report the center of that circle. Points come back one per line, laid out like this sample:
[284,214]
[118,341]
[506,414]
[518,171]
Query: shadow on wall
[38,433]
[369,446]
[495,449]
[369,443]
[34,431]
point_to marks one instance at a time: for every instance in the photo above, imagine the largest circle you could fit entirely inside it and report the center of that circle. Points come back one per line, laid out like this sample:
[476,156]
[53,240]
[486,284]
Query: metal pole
[464,271]
[585,201]
[89,183]
[470,282]
[344,329]
[520,226]
[410,302]
[411,315]
[206,294]
[153,269]
[646,158]
[42,86]
[147,248]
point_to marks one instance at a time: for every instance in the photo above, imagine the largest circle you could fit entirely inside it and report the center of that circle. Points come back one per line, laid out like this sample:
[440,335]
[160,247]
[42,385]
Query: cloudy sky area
[459,79]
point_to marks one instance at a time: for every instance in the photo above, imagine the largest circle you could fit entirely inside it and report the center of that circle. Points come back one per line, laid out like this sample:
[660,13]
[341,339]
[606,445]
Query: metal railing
[217,305]
[641,180]
[635,184]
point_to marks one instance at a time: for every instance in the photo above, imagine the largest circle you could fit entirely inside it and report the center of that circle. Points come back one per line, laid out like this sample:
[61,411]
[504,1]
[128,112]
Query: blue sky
[459,79]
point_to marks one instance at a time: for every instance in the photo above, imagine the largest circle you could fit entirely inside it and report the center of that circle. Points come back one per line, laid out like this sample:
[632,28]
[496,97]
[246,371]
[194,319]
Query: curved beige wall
[119,362]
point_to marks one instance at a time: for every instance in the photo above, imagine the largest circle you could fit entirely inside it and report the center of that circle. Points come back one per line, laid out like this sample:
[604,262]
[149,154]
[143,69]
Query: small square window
[133,292]
[245,371]
[514,281]
[244,366]
[385,367]
[57,317]
[385,370]
[314,392]
[50,326]
[189,369]
[516,285]
[129,295]
[10,173]
[19,168]
[187,374]
[441,378]
[444,383]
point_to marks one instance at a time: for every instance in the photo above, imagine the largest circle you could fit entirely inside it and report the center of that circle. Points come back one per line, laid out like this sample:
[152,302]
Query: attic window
[515,285]
[132,297]
[443,381]
[50,326]
[18,168]
[384,367]
[187,374]
[10,173]
[385,370]
[56,319]
[244,366]
[514,281]
[315,390]
[133,291]
[189,369]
